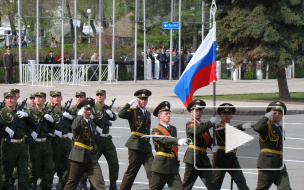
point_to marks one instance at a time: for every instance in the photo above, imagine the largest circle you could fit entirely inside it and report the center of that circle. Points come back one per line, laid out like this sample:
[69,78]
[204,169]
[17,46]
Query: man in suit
[271,136]
[82,157]
[162,58]
[203,141]
[8,63]
[229,160]
[165,166]
[139,149]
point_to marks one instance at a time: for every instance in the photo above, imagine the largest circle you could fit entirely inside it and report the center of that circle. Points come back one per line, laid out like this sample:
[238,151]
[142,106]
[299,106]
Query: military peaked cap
[42,94]
[7,94]
[55,93]
[86,103]
[226,108]
[15,90]
[163,106]
[143,93]
[196,103]
[80,93]
[101,92]
[32,95]
[276,106]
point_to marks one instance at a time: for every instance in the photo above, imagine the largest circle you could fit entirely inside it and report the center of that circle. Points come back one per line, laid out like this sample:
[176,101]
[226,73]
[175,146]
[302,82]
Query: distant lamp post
[89,17]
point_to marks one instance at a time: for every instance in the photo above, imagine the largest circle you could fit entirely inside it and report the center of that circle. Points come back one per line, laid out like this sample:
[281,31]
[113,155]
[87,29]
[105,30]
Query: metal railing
[51,74]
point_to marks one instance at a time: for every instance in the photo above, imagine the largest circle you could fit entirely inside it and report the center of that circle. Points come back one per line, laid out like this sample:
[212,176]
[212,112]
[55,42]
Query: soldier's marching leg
[77,171]
[95,176]
[158,180]
[206,177]
[219,176]
[190,176]
[265,179]
[48,169]
[112,159]
[239,178]
[282,181]
[35,164]
[8,160]
[22,168]
[147,165]
[175,183]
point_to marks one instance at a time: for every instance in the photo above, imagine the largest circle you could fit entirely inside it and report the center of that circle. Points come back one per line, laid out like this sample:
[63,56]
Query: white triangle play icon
[235,138]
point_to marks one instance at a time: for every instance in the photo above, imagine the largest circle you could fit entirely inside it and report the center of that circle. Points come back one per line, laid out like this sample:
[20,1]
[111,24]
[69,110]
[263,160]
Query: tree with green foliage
[271,31]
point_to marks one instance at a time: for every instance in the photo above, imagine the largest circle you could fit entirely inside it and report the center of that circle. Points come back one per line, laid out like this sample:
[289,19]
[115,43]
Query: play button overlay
[235,138]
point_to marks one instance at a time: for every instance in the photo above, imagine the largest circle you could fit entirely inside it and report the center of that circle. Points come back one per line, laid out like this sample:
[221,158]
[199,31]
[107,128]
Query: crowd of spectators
[163,57]
[15,43]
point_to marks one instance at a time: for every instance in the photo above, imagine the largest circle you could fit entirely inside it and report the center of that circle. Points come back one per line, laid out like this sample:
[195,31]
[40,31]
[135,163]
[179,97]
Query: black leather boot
[113,185]
[11,182]
[60,185]
[83,185]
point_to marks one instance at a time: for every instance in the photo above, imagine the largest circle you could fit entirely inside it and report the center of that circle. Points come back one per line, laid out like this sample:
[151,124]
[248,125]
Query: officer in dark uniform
[203,140]
[82,157]
[162,58]
[104,145]
[229,160]
[139,149]
[14,154]
[40,151]
[271,136]
[165,166]
[8,63]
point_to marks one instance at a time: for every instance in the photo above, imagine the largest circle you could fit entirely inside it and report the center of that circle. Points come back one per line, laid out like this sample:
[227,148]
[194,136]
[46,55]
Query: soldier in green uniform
[62,146]
[229,160]
[8,63]
[14,154]
[17,93]
[82,157]
[271,136]
[79,97]
[139,149]
[165,166]
[40,149]
[104,145]
[203,141]
[32,101]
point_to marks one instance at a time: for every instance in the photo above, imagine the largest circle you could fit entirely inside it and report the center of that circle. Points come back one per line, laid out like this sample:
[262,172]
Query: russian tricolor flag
[200,71]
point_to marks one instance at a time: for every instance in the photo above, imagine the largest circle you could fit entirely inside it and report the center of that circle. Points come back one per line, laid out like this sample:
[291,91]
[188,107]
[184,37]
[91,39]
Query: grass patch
[295,96]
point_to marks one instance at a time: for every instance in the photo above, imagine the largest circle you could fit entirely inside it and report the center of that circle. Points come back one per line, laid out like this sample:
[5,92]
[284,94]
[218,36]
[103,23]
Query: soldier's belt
[84,146]
[15,140]
[223,148]
[40,139]
[165,154]
[197,148]
[272,151]
[137,133]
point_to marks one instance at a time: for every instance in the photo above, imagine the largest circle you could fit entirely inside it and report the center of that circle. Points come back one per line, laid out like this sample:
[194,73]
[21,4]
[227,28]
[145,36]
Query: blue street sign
[170,25]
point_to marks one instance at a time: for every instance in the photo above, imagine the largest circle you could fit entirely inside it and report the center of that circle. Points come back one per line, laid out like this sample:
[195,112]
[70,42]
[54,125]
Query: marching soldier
[79,97]
[40,149]
[13,149]
[139,149]
[271,136]
[229,160]
[8,63]
[32,101]
[61,145]
[104,145]
[82,157]
[203,141]
[17,93]
[165,166]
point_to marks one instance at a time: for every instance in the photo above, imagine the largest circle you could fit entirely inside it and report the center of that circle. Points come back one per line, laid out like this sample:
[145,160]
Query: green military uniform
[82,157]
[165,166]
[62,148]
[104,145]
[8,63]
[40,150]
[271,156]
[203,140]
[14,154]
[139,149]
[229,160]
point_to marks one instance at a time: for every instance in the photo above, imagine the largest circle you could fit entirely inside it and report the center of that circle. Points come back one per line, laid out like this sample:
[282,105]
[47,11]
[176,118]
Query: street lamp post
[89,17]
